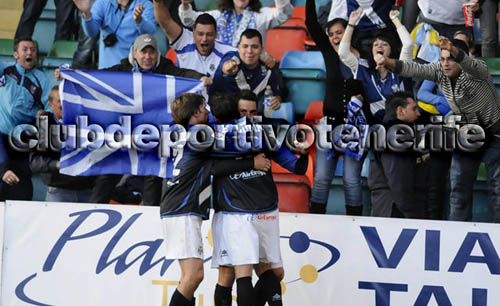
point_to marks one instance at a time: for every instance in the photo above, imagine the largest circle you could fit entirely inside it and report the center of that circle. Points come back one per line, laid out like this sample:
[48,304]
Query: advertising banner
[86,254]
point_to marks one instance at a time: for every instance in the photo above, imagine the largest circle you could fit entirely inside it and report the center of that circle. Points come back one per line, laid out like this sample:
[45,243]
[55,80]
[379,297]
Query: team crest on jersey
[212,67]
[2,80]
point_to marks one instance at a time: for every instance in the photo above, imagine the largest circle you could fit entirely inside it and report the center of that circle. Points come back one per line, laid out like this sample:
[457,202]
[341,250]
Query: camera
[110,40]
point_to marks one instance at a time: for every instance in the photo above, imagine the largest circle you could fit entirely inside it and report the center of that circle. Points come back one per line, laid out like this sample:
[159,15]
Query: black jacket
[398,180]
[44,162]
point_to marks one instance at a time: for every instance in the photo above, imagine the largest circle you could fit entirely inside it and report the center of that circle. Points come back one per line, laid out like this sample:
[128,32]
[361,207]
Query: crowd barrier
[87,254]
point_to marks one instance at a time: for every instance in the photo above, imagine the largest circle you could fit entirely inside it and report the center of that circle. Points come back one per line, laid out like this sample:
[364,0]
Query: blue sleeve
[220,81]
[425,94]
[92,26]
[285,158]
[148,22]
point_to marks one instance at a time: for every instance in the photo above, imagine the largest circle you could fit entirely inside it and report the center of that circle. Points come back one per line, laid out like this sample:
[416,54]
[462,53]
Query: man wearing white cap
[143,57]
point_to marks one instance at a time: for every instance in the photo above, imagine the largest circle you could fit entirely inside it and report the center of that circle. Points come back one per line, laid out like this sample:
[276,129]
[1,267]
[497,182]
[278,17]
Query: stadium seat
[49,11]
[276,168]
[6,46]
[63,49]
[54,62]
[314,112]
[161,39]
[7,59]
[49,73]
[298,12]
[481,173]
[303,60]
[286,112]
[50,64]
[293,193]
[288,36]
[44,34]
[305,77]
[294,190]
[493,64]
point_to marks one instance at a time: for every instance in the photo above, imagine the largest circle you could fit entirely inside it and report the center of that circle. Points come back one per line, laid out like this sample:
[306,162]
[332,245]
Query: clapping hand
[139,9]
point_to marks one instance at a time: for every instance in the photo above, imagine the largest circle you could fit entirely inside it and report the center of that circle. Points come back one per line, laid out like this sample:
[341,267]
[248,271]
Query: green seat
[63,48]
[6,46]
[481,173]
[493,64]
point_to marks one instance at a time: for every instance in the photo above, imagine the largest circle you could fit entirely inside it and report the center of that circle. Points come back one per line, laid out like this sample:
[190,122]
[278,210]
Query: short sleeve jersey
[189,57]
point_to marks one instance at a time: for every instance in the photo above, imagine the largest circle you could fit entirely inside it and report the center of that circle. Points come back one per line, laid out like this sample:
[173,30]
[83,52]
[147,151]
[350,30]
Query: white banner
[85,254]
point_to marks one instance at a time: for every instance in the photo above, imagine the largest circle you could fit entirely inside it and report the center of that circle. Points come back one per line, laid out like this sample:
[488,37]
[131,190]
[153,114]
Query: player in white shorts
[185,202]
[246,227]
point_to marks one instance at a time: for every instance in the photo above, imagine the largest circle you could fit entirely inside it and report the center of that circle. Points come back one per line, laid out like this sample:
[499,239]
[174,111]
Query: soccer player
[246,229]
[185,203]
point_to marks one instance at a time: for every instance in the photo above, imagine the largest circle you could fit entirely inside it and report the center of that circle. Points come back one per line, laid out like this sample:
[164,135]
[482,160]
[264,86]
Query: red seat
[291,35]
[299,12]
[314,112]
[293,192]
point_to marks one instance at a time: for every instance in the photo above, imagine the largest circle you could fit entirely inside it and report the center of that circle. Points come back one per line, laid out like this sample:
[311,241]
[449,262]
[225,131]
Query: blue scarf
[229,29]
[353,144]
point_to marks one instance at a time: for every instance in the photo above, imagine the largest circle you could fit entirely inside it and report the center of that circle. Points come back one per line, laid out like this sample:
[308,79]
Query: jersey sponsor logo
[265,217]
[247,175]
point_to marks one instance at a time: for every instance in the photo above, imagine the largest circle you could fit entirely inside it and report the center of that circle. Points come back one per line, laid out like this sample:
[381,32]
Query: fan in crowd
[235,16]
[119,23]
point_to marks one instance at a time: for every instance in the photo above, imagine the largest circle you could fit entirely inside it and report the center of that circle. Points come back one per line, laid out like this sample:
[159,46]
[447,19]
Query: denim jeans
[326,163]
[463,173]
[56,194]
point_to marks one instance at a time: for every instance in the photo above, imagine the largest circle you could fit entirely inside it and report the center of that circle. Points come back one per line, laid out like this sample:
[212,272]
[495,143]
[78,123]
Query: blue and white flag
[114,121]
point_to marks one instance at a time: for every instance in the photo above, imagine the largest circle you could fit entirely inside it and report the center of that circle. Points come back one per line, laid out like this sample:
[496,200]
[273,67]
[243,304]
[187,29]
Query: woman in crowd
[378,83]
[235,16]
[337,105]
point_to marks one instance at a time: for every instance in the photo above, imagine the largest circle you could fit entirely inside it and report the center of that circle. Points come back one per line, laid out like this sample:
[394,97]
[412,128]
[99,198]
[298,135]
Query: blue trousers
[326,163]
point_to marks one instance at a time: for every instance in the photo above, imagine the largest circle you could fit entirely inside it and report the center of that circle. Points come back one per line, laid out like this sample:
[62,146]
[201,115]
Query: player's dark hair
[184,106]
[224,107]
[246,94]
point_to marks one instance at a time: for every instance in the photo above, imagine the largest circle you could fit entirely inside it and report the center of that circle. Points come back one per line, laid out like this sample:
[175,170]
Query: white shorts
[242,239]
[183,237]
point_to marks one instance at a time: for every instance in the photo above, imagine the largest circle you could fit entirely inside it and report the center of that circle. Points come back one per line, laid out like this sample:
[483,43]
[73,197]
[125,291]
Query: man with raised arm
[469,89]
[197,50]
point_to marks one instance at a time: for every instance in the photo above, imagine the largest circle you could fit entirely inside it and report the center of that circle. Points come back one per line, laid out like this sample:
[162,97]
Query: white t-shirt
[188,56]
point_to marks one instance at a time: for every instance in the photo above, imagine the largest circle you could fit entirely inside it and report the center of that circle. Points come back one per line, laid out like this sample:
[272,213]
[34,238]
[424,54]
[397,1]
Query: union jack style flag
[106,98]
